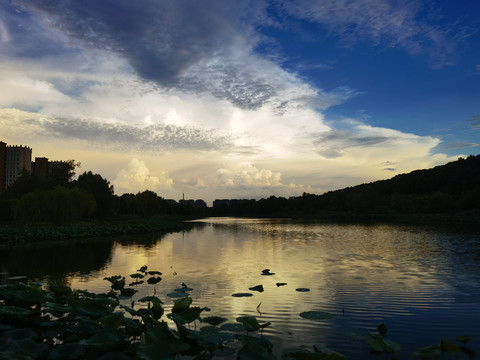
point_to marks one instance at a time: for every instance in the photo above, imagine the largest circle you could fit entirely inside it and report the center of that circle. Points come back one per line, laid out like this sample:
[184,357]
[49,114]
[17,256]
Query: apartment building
[16,159]
[3,151]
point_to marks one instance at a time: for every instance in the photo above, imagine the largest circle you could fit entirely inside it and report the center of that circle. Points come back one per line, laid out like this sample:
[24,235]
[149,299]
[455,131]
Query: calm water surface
[422,282]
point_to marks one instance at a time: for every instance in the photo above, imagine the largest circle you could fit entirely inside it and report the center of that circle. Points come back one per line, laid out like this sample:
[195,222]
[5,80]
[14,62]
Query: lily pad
[250,323]
[242,294]
[128,292]
[214,320]
[154,272]
[302,289]
[267,272]
[317,315]
[232,327]
[137,276]
[281,284]
[177,294]
[143,268]
[258,288]
[182,304]
[17,277]
[14,311]
[184,289]
[154,280]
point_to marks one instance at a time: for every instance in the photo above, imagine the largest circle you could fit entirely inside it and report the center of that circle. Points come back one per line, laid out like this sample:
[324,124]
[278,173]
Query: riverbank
[22,234]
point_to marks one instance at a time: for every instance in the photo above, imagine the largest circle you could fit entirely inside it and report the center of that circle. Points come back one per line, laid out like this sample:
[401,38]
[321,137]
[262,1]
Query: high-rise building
[3,154]
[40,167]
[17,159]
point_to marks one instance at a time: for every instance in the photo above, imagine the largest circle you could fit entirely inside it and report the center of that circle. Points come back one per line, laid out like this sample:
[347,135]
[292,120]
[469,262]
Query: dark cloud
[153,137]
[160,39]
[331,143]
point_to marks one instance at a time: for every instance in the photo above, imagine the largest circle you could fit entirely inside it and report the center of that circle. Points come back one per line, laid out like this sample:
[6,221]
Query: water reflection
[55,260]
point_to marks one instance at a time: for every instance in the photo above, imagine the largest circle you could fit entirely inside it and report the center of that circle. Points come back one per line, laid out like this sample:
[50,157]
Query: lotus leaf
[242,295]
[67,351]
[214,320]
[302,289]
[177,294]
[463,338]
[250,323]
[379,345]
[143,268]
[182,304]
[15,312]
[157,309]
[115,319]
[154,280]
[184,289]
[22,343]
[154,272]
[21,277]
[128,292]
[317,315]
[57,310]
[449,347]
[187,316]
[161,343]
[304,354]
[258,288]
[255,348]
[137,276]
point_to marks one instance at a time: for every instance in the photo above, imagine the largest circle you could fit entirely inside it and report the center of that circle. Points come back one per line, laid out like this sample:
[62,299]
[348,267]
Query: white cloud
[137,177]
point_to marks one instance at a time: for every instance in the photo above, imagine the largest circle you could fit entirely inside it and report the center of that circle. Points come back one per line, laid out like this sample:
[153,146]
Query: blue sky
[241,99]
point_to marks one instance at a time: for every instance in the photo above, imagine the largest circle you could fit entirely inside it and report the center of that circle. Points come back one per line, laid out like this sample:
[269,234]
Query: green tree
[101,189]
[59,205]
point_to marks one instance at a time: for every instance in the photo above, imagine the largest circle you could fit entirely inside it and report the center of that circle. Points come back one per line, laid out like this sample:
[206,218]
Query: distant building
[200,204]
[17,159]
[40,167]
[221,202]
[187,202]
[3,155]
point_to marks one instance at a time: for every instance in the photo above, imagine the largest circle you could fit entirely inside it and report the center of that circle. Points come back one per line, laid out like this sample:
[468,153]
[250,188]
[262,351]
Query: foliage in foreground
[57,322]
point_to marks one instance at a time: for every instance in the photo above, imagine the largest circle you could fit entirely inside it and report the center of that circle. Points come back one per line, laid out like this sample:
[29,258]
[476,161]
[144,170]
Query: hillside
[453,187]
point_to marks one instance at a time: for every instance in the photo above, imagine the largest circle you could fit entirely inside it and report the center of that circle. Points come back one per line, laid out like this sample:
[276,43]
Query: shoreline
[27,234]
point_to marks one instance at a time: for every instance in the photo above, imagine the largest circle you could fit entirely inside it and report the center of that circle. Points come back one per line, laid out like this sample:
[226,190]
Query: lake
[423,283]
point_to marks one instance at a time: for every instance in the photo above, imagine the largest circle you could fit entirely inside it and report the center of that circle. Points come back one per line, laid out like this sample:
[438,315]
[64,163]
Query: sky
[218,99]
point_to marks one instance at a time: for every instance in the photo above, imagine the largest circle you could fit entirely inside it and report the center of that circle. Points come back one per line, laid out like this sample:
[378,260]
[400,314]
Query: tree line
[454,187]
[59,198]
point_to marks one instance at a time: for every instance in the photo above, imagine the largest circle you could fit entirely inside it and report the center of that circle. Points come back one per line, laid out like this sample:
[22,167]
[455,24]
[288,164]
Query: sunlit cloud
[136,177]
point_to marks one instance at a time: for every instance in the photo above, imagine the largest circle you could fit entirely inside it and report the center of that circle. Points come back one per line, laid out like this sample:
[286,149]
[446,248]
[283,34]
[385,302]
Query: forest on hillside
[454,187]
